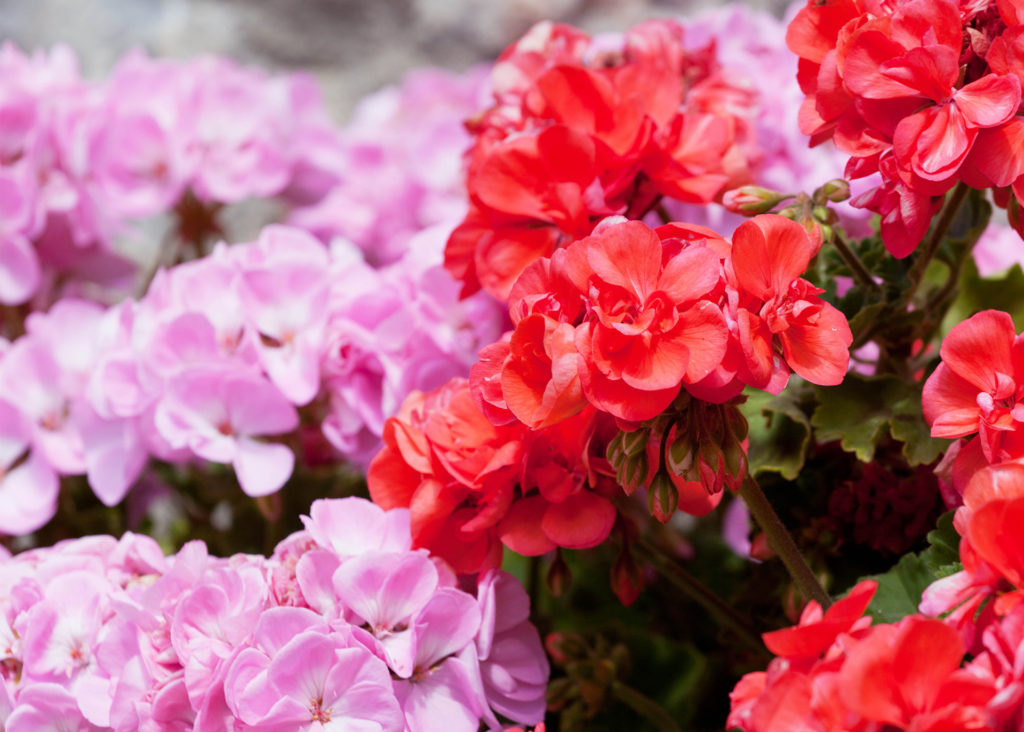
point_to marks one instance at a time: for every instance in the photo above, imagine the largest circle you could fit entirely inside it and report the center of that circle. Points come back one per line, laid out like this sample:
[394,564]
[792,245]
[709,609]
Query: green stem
[645,706]
[698,592]
[780,540]
[860,272]
[946,217]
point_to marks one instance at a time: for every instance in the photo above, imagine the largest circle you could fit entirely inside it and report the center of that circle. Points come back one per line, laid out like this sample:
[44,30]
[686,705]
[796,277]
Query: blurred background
[352,46]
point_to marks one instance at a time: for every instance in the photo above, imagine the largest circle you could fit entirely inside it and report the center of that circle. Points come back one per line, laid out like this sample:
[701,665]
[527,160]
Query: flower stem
[645,706]
[698,592]
[860,272]
[946,217]
[780,540]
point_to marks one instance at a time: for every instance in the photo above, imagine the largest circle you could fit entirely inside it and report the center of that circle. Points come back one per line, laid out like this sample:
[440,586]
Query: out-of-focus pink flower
[216,414]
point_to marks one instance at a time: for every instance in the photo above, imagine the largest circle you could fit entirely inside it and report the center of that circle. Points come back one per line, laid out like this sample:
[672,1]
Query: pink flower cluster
[343,624]
[219,356]
[79,161]
[400,166]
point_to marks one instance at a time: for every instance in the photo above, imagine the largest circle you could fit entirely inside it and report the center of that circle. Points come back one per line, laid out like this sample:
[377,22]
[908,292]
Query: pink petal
[446,624]
[385,590]
[28,496]
[262,468]
[256,407]
[19,269]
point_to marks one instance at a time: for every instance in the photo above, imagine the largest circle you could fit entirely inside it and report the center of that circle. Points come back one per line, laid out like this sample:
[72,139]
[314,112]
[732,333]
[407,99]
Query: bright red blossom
[976,389]
[837,673]
[625,318]
[472,487]
[650,328]
[922,91]
[779,311]
[577,134]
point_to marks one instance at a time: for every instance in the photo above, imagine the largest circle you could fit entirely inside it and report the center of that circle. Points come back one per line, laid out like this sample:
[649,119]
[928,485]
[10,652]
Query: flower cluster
[613,325]
[399,168]
[837,671]
[924,92]
[80,161]
[343,623]
[472,486]
[219,355]
[627,317]
[581,129]
[975,390]
[751,50]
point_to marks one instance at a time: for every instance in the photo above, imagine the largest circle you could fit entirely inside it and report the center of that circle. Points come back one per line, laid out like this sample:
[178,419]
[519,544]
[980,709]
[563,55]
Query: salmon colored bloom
[977,388]
[782,322]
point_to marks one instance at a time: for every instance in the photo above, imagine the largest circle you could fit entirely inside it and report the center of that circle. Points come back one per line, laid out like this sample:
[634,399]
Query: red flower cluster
[990,550]
[472,486]
[836,672]
[925,92]
[624,318]
[579,132]
[979,388]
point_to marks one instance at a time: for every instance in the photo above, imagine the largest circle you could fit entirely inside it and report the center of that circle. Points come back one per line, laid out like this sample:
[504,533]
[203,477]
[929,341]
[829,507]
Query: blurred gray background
[352,46]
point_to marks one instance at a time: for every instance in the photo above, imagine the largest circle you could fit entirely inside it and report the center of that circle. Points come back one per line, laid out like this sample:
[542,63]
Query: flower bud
[627,579]
[835,191]
[662,498]
[559,576]
[752,200]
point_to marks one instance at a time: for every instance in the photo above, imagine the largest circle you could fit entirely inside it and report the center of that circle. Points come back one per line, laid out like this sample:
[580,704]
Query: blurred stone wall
[353,46]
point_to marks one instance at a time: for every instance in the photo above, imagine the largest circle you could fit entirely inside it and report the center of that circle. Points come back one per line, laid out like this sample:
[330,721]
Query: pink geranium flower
[217,413]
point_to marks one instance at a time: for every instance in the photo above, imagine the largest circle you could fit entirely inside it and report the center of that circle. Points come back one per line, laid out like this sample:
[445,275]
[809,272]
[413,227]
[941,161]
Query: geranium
[975,390]
[194,642]
[780,311]
[578,133]
[907,90]
[472,487]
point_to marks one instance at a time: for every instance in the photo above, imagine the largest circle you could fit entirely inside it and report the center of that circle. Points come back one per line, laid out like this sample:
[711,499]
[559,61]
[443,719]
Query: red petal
[613,395]
[867,683]
[989,101]
[1000,547]
[690,274]
[996,154]
[769,252]
[521,530]
[815,638]
[979,347]
[928,651]
[950,404]
[580,521]
[861,71]
[627,255]
[819,351]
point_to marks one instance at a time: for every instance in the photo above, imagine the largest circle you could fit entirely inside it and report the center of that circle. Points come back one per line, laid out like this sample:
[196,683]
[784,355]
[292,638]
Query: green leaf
[977,293]
[944,549]
[900,589]
[780,433]
[863,410]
